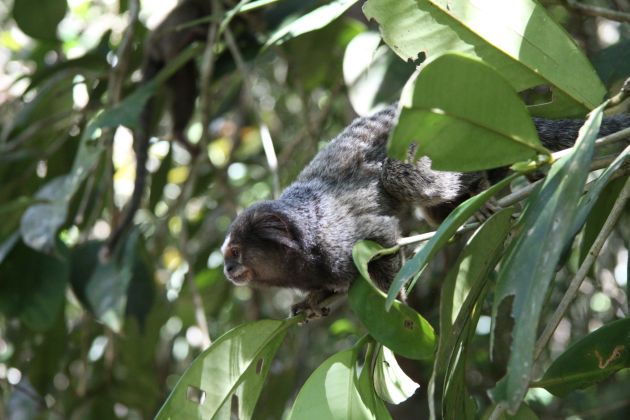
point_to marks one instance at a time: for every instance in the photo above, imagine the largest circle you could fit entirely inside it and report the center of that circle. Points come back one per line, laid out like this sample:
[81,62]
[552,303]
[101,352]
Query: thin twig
[623,94]
[270,153]
[207,70]
[571,292]
[426,236]
[524,192]
[596,11]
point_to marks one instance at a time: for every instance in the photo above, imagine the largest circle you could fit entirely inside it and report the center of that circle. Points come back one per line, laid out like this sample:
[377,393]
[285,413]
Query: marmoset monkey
[351,191]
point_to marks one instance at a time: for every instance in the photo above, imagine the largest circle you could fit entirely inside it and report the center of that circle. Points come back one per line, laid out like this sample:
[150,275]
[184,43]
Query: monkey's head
[261,247]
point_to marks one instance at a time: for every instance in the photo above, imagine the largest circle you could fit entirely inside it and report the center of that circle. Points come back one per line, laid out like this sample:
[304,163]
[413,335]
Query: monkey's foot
[487,210]
[312,307]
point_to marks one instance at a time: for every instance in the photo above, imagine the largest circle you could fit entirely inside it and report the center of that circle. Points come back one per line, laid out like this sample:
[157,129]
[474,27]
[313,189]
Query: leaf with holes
[465,117]
[413,268]
[544,230]
[518,38]
[230,372]
[590,360]
[400,328]
[334,392]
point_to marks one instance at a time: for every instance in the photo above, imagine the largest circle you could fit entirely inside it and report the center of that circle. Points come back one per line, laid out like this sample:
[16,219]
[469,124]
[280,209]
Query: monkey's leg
[383,270]
[312,305]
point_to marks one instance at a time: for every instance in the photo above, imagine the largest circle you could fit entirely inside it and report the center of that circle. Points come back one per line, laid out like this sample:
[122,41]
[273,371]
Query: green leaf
[463,295]
[106,290]
[333,392]
[372,73]
[465,117]
[311,21]
[33,286]
[236,363]
[39,19]
[590,360]
[524,44]
[544,230]
[400,328]
[366,384]
[390,382]
[413,268]
[40,223]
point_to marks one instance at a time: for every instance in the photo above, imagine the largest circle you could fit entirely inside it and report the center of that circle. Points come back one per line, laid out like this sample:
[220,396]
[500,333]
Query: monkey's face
[259,248]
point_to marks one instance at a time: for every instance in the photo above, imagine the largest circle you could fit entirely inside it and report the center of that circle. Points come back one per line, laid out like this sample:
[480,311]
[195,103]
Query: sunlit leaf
[390,382]
[515,37]
[333,392]
[590,360]
[485,125]
[235,364]
[311,21]
[373,74]
[526,272]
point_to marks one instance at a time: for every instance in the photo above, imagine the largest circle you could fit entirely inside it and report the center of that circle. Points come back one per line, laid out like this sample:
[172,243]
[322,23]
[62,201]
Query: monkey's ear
[275,227]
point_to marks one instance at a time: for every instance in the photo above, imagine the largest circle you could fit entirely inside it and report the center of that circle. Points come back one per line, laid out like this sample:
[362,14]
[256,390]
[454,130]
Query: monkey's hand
[312,307]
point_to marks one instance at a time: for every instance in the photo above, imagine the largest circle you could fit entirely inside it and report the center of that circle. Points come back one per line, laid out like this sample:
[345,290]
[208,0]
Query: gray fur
[351,191]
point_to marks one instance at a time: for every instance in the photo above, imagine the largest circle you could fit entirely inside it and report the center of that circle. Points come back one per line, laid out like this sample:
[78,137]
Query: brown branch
[596,11]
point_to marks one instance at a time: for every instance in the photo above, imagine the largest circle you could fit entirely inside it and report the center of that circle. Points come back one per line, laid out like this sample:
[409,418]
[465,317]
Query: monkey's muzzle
[237,273]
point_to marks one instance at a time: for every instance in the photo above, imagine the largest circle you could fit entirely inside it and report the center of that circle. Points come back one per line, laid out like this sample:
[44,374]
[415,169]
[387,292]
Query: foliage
[129,337]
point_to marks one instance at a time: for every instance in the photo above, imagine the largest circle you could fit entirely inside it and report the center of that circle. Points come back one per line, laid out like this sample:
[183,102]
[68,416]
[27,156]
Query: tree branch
[596,11]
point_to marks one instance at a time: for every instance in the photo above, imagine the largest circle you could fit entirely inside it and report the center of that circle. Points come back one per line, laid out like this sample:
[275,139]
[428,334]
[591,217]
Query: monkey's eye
[235,252]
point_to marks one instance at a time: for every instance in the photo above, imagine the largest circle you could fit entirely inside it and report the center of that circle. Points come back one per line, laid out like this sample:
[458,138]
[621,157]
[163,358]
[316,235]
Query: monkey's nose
[229,267]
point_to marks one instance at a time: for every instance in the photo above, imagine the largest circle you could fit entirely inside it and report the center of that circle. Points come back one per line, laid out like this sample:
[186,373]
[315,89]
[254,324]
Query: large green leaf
[590,360]
[33,286]
[333,392]
[235,364]
[463,294]
[311,21]
[515,37]
[400,328]
[39,19]
[465,117]
[413,268]
[544,230]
